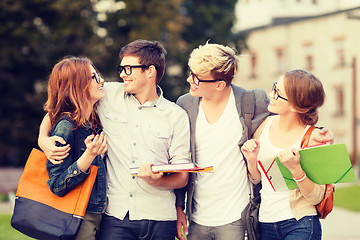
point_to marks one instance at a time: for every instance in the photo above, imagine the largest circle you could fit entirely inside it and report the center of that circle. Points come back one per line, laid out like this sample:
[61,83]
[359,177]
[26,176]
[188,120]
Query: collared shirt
[155,133]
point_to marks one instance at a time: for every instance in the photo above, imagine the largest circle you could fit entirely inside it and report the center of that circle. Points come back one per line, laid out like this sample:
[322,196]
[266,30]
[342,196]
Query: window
[309,62]
[253,65]
[339,52]
[339,98]
[308,50]
[280,60]
[340,57]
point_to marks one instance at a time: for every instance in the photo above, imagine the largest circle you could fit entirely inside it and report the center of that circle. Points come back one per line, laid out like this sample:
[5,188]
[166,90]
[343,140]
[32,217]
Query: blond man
[217,128]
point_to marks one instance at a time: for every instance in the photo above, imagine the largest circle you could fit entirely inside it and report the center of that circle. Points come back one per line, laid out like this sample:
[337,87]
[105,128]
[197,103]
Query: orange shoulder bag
[326,205]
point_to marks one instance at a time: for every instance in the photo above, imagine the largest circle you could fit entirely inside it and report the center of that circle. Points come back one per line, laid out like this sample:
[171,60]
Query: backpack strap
[306,138]
[248,109]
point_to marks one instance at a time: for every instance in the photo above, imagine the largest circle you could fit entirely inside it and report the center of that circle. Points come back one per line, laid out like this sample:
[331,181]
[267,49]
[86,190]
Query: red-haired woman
[74,88]
[288,214]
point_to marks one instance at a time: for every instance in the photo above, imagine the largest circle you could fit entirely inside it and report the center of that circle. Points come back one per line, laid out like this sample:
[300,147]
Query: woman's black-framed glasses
[197,80]
[128,68]
[276,94]
[97,77]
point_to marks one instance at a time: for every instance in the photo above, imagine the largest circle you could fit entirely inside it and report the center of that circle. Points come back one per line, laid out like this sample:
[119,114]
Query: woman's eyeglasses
[97,77]
[276,94]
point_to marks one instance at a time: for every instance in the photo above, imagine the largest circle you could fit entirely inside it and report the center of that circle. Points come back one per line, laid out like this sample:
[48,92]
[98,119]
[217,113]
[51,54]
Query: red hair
[68,91]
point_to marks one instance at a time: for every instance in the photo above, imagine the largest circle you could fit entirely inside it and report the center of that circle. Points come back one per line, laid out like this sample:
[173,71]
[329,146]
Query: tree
[34,35]
[129,20]
[211,20]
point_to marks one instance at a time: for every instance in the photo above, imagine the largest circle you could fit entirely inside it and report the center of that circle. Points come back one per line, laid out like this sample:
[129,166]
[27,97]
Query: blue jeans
[307,228]
[231,231]
[116,229]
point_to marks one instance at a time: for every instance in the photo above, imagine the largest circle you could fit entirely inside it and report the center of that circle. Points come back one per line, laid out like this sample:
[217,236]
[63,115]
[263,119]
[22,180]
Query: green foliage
[3,197]
[348,197]
[211,20]
[36,34]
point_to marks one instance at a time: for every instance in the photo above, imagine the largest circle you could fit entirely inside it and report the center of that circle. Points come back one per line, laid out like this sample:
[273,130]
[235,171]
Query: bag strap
[248,109]
[306,138]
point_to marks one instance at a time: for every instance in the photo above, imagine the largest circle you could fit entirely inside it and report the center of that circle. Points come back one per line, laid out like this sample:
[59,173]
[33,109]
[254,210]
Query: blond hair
[221,61]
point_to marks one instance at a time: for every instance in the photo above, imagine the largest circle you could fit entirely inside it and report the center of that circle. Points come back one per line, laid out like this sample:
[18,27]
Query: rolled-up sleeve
[316,195]
[179,150]
[65,176]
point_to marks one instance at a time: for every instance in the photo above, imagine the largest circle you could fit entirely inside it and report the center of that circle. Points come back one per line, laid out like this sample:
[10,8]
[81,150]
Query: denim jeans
[307,228]
[231,231]
[116,229]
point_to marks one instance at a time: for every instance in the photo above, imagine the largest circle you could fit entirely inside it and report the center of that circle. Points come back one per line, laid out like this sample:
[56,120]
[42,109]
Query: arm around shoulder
[48,144]
[261,108]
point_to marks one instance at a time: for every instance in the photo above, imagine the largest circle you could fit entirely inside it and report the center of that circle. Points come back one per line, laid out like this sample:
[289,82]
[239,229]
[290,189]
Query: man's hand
[181,223]
[55,154]
[148,176]
[321,136]
[48,144]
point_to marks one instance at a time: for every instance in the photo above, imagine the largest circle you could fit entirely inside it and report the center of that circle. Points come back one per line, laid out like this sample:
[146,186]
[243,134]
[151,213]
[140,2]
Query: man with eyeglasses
[214,202]
[142,128]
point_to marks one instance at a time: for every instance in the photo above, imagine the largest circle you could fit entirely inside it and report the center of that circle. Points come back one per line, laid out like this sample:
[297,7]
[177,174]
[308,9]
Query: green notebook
[323,164]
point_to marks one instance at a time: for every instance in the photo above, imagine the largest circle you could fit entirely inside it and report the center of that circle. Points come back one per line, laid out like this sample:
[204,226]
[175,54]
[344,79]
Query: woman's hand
[96,145]
[290,158]
[250,149]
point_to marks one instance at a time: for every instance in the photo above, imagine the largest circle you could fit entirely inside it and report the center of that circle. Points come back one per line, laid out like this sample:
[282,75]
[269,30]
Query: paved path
[341,224]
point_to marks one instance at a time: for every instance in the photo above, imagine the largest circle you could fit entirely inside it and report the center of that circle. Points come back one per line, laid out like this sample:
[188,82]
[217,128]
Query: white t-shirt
[221,196]
[155,133]
[275,206]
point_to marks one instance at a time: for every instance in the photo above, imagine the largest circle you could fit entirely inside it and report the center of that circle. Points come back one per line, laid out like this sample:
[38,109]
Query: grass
[8,232]
[348,197]
[345,197]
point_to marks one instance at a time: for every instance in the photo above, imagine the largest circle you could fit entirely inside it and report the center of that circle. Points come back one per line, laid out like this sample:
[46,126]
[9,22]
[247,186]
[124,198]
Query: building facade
[326,43]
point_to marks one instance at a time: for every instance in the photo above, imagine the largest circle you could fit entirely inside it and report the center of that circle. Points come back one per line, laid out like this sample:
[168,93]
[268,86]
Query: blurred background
[35,34]
[271,37]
